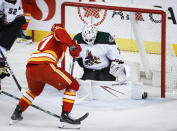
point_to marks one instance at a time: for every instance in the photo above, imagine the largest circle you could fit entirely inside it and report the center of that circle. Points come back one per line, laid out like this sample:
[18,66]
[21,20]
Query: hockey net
[140,33]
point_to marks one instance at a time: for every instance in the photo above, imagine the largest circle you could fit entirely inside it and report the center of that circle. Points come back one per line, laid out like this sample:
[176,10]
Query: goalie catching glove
[117,68]
[74,49]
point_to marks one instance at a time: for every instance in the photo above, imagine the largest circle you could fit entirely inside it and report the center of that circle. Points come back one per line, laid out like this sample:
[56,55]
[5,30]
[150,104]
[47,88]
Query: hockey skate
[16,116]
[24,38]
[22,34]
[67,122]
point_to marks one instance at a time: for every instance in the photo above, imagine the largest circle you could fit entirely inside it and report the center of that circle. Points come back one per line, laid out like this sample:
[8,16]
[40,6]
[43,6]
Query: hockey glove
[3,69]
[20,20]
[117,69]
[61,35]
[74,49]
[3,72]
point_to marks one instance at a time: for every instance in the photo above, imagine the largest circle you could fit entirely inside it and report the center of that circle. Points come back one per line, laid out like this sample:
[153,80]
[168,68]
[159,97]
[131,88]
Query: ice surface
[113,114]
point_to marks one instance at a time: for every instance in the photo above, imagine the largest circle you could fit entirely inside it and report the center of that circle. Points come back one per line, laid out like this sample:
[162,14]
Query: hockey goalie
[103,65]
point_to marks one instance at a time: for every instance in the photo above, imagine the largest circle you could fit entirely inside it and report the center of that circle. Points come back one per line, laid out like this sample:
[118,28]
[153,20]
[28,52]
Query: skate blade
[22,40]
[13,122]
[64,125]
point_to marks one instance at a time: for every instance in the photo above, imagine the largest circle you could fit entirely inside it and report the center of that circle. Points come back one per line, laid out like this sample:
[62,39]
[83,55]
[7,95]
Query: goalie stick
[120,84]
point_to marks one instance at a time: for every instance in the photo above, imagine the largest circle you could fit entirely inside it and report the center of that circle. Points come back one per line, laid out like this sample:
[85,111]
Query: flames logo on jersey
[90,59]
[92,15]
[39,15]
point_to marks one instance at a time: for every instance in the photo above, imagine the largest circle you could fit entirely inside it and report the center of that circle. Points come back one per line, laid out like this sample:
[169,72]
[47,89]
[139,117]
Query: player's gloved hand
[20,20]
[117,68]
[74,49]
[3,72]
[61,35]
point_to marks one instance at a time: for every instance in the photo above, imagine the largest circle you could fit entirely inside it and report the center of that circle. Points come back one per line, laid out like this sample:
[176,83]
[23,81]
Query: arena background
[47,12]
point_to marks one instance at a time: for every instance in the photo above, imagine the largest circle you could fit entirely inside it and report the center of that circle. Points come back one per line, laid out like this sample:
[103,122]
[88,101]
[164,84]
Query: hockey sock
[68,100]
[26,100]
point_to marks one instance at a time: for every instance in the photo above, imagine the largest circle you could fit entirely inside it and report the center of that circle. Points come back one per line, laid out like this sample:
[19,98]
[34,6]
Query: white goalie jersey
[99,55]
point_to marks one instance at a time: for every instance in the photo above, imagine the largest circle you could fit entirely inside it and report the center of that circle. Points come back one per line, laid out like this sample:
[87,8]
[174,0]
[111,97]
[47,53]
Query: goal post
[140,45]
[68,9]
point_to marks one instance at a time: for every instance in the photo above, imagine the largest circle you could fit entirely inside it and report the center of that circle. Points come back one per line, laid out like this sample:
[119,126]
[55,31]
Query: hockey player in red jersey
[27,6]
[42,68]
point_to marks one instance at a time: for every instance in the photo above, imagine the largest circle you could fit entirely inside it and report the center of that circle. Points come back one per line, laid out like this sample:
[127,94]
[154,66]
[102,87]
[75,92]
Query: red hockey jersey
[52,48]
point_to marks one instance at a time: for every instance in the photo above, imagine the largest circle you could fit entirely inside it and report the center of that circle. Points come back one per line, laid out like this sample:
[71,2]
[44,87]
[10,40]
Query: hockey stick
[45,111]
[34,106]
[106,89]
[120,84]
[20,88]
[72,67]
[0,86]
[11,72]
[113,90]
[103,87]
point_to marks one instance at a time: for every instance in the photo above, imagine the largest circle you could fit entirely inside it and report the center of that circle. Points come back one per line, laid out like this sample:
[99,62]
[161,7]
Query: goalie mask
[89,33]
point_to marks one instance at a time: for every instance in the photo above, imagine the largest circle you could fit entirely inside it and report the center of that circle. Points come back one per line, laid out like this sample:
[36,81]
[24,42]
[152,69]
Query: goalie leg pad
[137,91]
[85,90]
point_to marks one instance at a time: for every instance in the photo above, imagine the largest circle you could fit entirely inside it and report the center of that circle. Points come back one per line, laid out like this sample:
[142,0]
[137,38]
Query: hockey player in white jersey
[11,21]
[99,53]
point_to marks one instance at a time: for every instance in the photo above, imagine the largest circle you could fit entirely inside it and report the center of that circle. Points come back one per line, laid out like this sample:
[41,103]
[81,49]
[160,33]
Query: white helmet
[89,33]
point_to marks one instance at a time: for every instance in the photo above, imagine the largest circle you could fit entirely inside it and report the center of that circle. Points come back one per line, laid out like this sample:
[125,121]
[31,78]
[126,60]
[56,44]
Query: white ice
[152,114]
